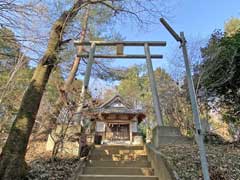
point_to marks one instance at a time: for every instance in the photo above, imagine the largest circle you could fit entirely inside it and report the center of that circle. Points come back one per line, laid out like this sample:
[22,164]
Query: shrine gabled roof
[117,99]
[118,111]
[117,105]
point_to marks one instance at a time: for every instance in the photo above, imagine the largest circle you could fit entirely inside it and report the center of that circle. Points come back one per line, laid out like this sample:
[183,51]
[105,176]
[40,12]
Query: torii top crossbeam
[124,43]
[120,48]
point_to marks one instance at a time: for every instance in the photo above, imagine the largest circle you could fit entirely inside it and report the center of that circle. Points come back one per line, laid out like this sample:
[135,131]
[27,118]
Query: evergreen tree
[221,72]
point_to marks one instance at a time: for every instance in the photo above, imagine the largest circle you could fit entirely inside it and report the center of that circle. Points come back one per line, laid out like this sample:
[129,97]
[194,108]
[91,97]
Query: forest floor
[41,166]
[224,161]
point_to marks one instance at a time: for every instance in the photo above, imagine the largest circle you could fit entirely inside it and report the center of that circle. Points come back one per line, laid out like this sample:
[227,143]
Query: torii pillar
[161,134]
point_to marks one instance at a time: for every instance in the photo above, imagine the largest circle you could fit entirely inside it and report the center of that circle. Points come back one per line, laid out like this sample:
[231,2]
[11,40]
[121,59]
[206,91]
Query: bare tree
[12,165]
[71,76]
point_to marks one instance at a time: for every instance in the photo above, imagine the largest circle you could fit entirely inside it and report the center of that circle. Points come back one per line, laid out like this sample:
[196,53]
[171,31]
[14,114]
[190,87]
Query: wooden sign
[100,126]
[134,126]
[120,49]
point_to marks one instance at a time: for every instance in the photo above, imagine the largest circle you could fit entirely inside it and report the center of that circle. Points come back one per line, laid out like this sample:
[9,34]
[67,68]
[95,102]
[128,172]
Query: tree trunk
[12,163]
[76,62]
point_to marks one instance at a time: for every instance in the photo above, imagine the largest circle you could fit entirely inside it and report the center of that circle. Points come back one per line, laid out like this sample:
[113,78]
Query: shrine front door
[116,132]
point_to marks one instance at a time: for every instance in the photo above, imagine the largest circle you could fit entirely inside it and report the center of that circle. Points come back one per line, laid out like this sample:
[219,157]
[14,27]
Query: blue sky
[197,18]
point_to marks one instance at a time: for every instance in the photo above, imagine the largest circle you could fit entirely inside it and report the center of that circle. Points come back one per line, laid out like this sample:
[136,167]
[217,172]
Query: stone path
[118,162]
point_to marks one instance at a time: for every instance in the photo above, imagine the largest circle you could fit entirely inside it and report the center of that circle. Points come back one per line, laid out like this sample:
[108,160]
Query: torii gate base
[166,135]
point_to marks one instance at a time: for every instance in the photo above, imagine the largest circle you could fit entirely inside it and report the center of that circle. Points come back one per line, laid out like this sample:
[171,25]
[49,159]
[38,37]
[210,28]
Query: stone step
[139,163]
[118,171]
[117,157]
[116,177]
[117,151]
[119,147]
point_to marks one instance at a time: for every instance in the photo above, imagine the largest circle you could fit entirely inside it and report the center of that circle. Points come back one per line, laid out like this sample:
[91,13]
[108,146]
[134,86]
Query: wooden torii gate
[120,55]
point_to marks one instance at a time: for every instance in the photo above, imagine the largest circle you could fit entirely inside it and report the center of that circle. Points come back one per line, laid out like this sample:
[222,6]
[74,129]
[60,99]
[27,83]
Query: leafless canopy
[11,11]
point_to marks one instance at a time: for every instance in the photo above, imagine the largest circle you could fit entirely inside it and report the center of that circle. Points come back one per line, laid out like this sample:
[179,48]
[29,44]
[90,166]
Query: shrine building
[117,121]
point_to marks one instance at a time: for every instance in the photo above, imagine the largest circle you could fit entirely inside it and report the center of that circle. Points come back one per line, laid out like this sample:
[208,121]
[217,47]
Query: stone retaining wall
[160,165]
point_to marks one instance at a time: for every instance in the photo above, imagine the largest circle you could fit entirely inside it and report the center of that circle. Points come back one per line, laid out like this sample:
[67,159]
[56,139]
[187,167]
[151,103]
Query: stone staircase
[118,162]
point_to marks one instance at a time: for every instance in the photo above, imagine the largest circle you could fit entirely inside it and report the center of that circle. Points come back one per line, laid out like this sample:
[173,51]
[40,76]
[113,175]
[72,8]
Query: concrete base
[138,140]
[163,135]
[71,140]
[67,147]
